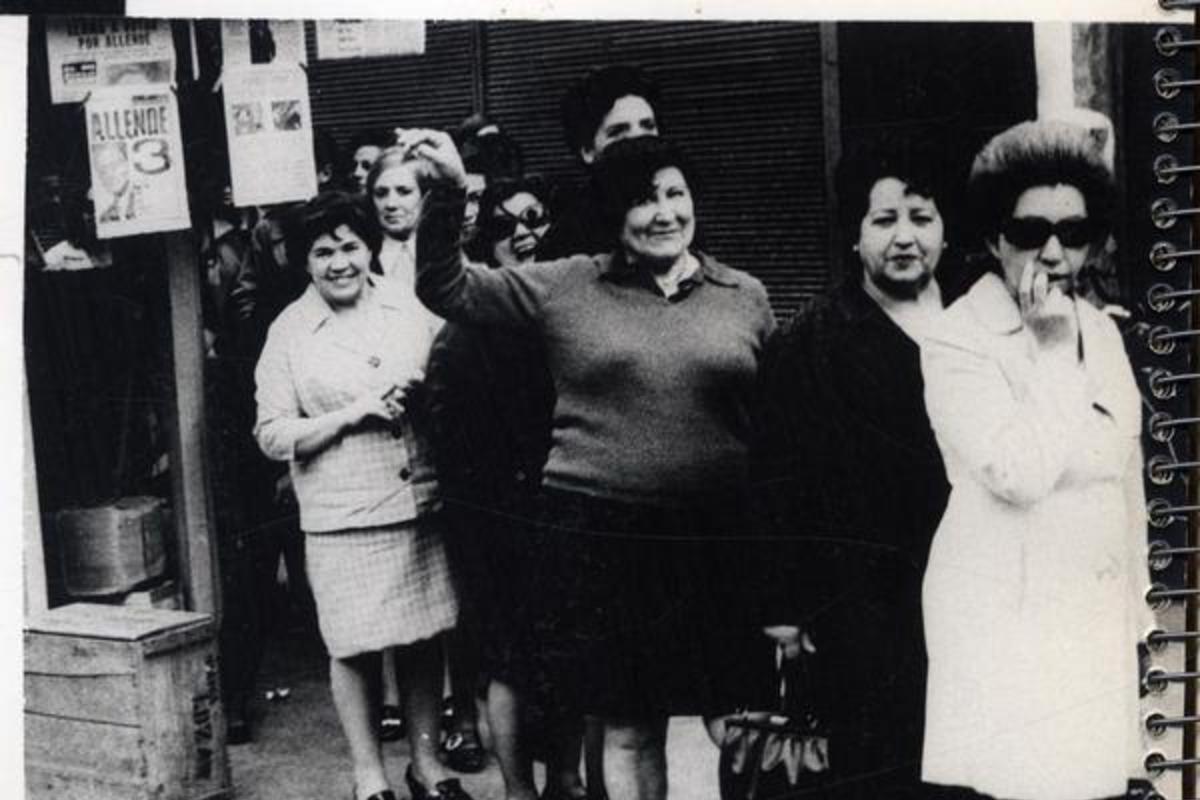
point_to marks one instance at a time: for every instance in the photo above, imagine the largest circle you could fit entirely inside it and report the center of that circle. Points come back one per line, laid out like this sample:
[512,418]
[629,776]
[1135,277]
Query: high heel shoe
[386,794]
[391,724]
[449,789]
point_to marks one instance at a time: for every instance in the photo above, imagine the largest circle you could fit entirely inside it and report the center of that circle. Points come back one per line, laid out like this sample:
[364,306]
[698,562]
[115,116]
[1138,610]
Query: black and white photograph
[703,409]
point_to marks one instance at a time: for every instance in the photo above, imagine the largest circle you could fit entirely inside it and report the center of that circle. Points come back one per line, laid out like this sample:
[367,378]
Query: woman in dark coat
[492,399]
[850,476]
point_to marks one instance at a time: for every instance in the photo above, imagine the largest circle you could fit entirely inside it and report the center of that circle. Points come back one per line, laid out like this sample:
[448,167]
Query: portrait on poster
[262,41]
[136,159]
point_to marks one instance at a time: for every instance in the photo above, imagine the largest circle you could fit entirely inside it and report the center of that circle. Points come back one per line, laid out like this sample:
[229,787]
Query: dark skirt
[493,562]
[635,611]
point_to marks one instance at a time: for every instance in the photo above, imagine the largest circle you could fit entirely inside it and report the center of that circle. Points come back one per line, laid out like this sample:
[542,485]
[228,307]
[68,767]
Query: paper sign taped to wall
[269,129]
[366,38]
[89,53]
[136,158]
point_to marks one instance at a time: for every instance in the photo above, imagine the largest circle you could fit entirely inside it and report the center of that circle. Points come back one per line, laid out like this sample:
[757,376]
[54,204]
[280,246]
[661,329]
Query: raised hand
[436,152]
[1049,313]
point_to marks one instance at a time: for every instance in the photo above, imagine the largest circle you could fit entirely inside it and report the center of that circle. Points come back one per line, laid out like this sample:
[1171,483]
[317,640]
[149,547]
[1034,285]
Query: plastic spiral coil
[1173,384]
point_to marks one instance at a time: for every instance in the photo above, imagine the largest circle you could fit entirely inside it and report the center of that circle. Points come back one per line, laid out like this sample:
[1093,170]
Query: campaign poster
[269,130]
[367,38]
[247,42]
[90,53]
[136,157]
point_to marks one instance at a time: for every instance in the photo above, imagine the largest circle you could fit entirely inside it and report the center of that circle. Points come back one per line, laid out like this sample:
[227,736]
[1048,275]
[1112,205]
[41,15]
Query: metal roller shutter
[436,89]
[745,102]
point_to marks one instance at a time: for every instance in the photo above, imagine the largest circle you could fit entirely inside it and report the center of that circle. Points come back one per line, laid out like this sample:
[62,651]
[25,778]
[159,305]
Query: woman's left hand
[790,638]
[437,153]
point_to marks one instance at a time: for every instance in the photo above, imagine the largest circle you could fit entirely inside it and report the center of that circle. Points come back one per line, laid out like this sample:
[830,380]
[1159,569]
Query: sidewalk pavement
[298,752]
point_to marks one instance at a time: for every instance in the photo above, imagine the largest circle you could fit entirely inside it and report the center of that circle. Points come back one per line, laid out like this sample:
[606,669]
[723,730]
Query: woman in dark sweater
[653,350]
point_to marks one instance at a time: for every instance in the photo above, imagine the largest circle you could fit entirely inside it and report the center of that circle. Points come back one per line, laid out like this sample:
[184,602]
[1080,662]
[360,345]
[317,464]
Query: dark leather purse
[779,753]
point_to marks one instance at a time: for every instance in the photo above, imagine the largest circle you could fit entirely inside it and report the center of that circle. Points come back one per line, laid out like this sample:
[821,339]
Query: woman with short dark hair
[653,349]
[850,479]
[335,400]
[1033,596]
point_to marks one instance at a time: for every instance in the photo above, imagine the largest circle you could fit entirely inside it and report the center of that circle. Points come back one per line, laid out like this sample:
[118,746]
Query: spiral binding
[1167,470]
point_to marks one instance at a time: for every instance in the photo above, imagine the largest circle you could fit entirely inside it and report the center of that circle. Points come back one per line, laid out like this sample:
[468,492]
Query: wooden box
[112,548]
[123,703]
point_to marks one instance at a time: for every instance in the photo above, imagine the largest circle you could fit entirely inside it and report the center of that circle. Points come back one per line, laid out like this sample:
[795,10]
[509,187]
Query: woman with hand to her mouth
[334,394]
[1033,595]
[653,349]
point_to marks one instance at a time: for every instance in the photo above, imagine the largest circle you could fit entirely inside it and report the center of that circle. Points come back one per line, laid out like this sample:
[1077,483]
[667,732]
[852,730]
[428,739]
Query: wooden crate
[123,703]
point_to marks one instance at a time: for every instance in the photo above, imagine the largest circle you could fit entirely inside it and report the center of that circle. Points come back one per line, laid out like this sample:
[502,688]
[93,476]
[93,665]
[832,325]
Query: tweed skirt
[380,587]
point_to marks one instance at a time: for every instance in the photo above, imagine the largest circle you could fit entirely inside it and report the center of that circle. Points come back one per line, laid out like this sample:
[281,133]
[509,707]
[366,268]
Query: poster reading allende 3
[91,53]
[269,130]
[136,156]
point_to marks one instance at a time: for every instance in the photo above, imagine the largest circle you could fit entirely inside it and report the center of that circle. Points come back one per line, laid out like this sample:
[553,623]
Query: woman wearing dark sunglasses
[491,398]
[513,220]
[1033,594]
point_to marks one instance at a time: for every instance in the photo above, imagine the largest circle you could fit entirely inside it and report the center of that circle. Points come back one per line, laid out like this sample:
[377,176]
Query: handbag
[777,753]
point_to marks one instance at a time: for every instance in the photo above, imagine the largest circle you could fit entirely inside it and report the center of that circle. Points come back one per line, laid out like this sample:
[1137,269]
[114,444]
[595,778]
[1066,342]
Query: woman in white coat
[1033,597]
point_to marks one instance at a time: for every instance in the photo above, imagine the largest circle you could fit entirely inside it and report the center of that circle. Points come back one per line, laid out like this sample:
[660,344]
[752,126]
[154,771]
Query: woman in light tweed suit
[335,400]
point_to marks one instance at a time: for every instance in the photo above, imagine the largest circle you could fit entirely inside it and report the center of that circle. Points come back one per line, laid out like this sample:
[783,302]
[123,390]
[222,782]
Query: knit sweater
[653,392]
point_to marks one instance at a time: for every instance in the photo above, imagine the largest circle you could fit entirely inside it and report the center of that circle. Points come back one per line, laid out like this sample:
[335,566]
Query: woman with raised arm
[653,349]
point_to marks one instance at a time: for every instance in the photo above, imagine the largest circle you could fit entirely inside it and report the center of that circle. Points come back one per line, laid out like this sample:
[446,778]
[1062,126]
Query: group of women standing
[608,556]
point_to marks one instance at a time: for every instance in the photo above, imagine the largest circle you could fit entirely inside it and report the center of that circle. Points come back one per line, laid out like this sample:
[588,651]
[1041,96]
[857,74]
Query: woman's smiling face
[338,264]
[659,228]
[527,216]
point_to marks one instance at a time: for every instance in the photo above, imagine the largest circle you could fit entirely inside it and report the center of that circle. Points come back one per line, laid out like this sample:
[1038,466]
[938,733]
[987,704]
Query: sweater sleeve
[457,290]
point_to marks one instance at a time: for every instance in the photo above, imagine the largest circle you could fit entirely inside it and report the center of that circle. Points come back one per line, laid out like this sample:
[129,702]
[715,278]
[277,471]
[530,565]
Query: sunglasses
[503,224]
[1032,233]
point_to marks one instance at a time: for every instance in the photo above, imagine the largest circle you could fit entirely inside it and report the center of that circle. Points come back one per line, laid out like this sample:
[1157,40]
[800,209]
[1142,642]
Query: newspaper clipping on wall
[86,54]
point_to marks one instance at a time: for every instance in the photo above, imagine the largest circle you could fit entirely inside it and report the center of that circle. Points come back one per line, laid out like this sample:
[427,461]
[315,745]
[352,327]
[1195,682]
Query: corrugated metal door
[434,90]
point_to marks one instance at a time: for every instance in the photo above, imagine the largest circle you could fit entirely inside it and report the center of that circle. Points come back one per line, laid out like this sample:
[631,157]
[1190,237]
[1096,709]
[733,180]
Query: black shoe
[237,731]
[463,752]
[391,724]
[449,789]
[386,794]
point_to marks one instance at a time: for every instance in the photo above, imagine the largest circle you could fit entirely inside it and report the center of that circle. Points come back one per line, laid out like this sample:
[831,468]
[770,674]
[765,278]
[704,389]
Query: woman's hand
[329,428]
[435,150]
[1049,313]
[368,408]
[791,639]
